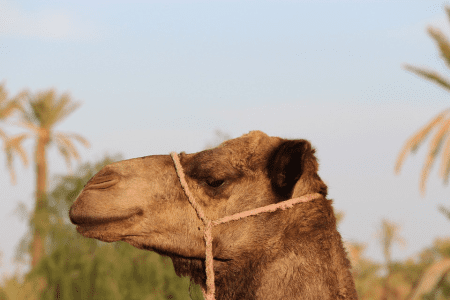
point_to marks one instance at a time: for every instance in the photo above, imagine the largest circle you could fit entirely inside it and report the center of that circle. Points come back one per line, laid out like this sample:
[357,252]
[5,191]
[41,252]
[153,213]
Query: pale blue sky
[158,76]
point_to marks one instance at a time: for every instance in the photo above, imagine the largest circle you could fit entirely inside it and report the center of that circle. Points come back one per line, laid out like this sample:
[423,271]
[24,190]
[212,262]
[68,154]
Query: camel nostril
[103,181]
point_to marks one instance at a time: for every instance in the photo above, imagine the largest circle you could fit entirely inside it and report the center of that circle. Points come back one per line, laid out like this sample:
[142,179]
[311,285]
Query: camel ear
[286,165]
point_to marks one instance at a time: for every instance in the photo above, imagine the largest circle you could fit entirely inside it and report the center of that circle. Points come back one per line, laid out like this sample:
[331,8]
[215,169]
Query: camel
[295,253]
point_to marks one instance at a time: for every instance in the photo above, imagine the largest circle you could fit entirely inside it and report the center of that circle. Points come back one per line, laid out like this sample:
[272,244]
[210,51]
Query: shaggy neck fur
[279,273]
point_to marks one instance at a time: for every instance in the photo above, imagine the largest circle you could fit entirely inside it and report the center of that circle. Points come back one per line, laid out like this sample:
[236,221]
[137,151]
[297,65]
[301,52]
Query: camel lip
[91,221]
[90,227]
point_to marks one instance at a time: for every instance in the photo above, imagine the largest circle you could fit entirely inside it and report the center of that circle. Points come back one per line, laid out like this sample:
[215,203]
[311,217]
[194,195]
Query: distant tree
[365,273]
[387,236]
[80,268]
[11,145]
[434,277]
[40,113]
[441,122]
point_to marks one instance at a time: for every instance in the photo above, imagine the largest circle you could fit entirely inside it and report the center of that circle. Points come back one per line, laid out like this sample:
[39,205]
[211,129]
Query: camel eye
[215,183]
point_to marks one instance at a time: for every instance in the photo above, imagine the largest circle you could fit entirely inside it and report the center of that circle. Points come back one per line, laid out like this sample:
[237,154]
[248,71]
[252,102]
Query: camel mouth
[103,228]
[88,221]
[95,233]
[83,220]
[102,233]
[175,255]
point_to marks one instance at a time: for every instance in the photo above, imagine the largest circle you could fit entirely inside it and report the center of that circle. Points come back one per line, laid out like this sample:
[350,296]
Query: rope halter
[210,292]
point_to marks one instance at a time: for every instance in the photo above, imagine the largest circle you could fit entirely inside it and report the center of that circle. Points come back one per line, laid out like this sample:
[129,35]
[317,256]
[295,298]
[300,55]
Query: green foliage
[13,288]
[431,273]
[90,269]
[425,277]
[76,267]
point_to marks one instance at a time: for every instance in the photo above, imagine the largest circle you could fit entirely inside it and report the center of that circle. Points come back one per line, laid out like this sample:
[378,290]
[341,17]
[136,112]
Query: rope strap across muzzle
[210,291]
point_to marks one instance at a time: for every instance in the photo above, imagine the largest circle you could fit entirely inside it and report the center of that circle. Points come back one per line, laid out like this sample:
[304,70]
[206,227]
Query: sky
[159,76]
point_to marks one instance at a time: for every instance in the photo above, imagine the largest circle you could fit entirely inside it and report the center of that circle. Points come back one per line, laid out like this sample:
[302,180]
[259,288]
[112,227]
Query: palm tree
[441,139]
[11,145]
[388,235]
[40,114]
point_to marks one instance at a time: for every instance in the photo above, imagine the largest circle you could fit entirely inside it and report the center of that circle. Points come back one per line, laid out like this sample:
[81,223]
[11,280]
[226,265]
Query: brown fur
[288,254]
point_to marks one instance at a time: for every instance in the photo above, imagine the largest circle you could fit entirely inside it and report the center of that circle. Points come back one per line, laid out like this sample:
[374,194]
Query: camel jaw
[105,232]
[94,233]
[110,229]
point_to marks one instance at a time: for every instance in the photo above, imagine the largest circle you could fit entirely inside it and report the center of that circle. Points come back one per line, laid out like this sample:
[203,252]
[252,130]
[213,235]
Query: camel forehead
[252,142]
[253,138]
[246,150]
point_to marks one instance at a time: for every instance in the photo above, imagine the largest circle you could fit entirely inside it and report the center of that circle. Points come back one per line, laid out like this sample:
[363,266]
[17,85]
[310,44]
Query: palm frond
[66,147]
[447,11]
[430,75]
[27,113]
[65,107]
[3,135]
[435,146]
[445,161]
[424,174]
[65,142]
[21,100]
[3,92]
[43,108]
[11,146]
[7,106]
[413,142]
[445,211]
[29,125]
[63,149]
[6,110]
[442,42]
[430,279]
[9,165]
[15,144]
[79,138]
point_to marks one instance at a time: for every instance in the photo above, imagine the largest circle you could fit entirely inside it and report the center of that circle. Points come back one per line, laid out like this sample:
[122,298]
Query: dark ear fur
[286,165]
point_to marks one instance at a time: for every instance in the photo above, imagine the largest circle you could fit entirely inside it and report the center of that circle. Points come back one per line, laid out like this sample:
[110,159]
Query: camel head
[140,201]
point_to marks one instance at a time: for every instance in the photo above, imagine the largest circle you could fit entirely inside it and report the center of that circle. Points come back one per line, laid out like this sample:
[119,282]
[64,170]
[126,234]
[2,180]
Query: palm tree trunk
[41,199]
[386,287]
